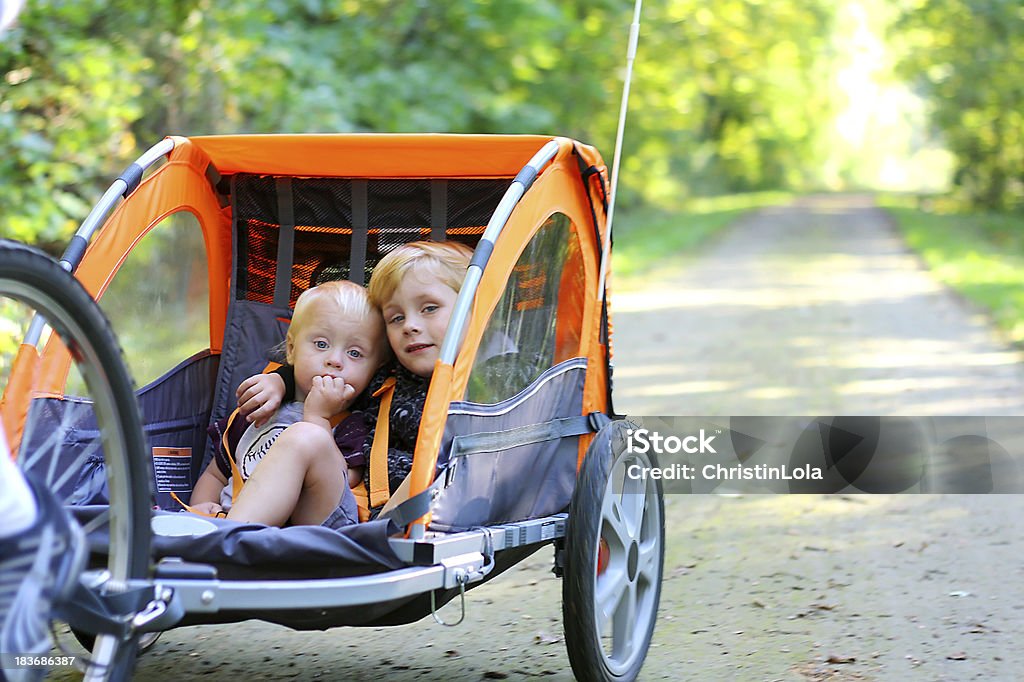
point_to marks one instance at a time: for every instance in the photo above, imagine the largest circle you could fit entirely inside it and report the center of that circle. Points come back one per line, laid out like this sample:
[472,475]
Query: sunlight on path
[816,308]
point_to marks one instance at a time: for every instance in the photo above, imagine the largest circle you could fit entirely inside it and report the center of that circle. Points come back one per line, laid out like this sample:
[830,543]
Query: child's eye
[430,308]
[397,319]
[320,344]
[355,353]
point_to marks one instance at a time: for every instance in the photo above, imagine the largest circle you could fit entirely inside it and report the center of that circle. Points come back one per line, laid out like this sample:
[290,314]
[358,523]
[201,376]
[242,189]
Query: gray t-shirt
[255,444]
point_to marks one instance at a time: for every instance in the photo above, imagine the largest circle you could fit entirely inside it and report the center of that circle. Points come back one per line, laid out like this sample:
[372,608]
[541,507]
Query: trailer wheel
[614,554]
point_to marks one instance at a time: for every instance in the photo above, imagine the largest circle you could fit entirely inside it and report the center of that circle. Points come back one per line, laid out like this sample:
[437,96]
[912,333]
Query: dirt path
[813,309]
[816,308]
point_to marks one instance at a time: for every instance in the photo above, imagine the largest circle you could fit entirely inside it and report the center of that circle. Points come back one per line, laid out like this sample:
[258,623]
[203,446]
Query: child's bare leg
[300,479]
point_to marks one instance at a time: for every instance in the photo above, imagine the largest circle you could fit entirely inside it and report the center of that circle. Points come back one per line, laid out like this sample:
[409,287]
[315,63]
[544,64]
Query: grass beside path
[980,255]
[646,238]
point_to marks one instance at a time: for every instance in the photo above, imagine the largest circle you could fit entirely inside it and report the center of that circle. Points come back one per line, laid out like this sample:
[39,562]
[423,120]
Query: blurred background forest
[734,96]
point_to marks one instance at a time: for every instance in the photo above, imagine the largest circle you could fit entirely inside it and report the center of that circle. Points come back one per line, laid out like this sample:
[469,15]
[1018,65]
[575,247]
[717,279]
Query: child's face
[416,318]
[330,343]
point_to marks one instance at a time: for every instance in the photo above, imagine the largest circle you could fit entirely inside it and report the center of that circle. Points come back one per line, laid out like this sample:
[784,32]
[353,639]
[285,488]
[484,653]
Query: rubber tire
[37,280]
[579,587]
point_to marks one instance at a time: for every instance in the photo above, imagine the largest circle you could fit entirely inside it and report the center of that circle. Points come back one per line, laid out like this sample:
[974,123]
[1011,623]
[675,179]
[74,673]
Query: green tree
[967,58]
[726,97]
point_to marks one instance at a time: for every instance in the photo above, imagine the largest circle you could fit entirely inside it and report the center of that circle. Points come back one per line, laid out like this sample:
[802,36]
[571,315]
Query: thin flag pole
[634,36]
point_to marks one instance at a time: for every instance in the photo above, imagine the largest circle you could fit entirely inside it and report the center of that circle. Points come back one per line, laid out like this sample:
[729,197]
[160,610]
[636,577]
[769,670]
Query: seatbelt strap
[360,228]
[496,441]
[236,474]
[380,484]
[285,243]
[415,507]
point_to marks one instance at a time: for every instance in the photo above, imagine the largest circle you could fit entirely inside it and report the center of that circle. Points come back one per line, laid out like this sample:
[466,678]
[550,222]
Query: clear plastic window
[159,300]
[537,322]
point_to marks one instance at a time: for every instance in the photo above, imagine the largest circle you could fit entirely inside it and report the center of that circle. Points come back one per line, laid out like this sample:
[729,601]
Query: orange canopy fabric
[371,155]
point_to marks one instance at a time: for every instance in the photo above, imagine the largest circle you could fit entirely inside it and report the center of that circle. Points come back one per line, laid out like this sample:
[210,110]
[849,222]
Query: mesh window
[329,214]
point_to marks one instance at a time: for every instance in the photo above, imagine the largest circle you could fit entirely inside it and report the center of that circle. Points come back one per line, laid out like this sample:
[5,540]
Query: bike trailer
[516,449]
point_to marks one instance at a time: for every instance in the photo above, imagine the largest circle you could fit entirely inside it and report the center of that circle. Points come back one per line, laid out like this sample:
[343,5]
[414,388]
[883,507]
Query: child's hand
[327,397]
[210,508]
[259,396]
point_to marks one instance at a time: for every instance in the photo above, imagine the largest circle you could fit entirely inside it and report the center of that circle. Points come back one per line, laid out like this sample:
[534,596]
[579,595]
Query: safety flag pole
[634,36]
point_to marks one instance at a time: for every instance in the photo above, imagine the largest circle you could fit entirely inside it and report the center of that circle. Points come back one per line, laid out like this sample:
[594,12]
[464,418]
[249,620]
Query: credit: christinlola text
[643,441]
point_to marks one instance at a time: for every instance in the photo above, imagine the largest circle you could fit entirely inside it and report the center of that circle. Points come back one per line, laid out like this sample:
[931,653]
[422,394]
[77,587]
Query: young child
[294,462]
[415,287]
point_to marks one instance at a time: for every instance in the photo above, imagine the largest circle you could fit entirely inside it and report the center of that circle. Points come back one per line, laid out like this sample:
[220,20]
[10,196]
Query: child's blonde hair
[351,299]
[447,261]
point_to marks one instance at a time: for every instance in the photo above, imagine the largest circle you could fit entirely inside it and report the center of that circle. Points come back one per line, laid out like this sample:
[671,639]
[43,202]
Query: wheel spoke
[611,587]
[50,448]
[624,625]
[633,508]
[647,567]
[611,515]
[75,467]
[99,521]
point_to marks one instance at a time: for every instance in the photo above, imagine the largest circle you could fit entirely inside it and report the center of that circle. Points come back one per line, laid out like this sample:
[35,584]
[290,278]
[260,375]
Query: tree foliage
[967,57]
[727,96]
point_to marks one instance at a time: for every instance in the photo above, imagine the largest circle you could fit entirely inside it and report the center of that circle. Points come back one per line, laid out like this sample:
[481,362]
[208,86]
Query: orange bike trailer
[518,446]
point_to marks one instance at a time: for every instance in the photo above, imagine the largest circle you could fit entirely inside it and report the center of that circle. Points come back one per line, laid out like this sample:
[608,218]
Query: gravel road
[815,308]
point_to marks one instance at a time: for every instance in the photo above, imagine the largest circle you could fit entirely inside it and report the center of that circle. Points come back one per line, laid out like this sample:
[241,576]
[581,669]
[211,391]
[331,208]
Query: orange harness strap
[236,474]
[377,471]
[380,485]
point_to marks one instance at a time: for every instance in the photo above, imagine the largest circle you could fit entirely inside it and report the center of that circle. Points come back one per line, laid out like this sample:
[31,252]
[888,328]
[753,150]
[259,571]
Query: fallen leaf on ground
[958,656]
[545,638]
[835,660]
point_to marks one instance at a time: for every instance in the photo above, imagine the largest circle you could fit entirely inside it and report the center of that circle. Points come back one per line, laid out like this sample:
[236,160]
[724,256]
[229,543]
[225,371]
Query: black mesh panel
[323,202]
[398,211]
[399,204]
[471,202]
